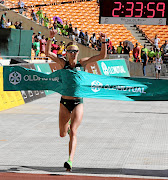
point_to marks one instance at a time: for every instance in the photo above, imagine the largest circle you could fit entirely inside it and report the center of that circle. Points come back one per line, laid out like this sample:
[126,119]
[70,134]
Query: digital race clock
[147,12]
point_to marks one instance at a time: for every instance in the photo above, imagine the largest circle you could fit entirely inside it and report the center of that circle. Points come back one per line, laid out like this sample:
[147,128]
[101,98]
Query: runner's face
[72,53]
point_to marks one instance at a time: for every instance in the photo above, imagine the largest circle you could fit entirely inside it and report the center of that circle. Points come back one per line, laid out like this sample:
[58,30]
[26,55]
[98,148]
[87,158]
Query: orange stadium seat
[152,30]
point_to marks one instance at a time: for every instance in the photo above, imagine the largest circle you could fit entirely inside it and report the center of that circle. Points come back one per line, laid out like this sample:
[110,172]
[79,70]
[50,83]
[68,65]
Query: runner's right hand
[53,33]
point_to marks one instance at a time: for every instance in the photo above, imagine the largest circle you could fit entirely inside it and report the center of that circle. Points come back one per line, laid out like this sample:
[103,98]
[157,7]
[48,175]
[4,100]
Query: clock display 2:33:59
[139,9]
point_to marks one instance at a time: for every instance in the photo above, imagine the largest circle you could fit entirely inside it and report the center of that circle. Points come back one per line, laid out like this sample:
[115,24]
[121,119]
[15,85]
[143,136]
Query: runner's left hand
[103,37]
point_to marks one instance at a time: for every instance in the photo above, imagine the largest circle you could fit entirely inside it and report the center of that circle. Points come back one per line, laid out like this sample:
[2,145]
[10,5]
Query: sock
[69,162]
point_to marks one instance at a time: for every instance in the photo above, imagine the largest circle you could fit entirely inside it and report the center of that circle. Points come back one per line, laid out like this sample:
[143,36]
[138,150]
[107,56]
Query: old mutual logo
[15,78]
[112,69]
[104,68]
[96,86]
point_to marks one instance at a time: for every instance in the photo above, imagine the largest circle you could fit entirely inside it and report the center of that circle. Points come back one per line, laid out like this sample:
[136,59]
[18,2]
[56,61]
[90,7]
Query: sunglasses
[72,51]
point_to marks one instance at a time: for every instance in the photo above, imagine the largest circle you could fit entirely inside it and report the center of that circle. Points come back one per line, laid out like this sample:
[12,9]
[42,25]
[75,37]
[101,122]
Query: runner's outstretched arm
[50,54]
[102,55]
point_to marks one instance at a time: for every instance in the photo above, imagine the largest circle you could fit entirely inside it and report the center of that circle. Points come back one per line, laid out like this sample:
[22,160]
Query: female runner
[71,108]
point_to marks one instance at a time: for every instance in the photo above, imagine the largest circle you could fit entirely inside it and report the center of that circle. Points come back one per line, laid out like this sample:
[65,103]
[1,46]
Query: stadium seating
[85,16]
[151,30]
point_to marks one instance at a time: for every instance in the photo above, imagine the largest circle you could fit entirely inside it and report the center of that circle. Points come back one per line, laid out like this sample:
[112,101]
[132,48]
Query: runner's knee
[63,133]
[73,132]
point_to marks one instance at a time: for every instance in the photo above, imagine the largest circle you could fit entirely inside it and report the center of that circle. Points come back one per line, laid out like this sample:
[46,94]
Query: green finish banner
[83,84]
[45,68]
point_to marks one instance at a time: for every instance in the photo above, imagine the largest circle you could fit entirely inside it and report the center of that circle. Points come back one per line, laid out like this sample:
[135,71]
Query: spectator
[65,29]
[2,1]
[156,41]
[36,46]
[3,20]
[39,36]
[54,47]
[8,23]
[12,26]
[109,50]
[33,40]
[33,15]
[145,49]
[43,43]
[151,55]
[40,16]
[61,48]
[59,27]
[76,34]
[144,61]
[86,39]
[113,50]
[164,48]
[62,29]
[136,53]
[25,9]
[126,48]
[99,44]
[120,49]
[93,40]
[158,52]
[20,25]
[46,21]
[55,24]
[81,37]
[109,43]
[64,50]
[21,5]
[158,65]
[16,25]
[70,31]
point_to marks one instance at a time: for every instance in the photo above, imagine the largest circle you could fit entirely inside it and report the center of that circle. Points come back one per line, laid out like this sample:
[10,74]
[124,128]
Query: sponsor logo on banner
[15,78]
[9,99]
[96,86]
[112,69]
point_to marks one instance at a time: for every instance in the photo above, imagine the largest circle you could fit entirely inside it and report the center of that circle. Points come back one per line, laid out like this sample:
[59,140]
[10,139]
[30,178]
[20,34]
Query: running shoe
[68,165]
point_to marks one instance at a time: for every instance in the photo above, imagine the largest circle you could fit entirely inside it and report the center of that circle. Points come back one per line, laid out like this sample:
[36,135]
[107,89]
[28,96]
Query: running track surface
[117,140]
[14,176]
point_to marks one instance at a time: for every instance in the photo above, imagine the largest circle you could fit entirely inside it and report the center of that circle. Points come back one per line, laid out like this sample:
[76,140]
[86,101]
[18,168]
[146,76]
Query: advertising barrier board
[29,96]
[113,67]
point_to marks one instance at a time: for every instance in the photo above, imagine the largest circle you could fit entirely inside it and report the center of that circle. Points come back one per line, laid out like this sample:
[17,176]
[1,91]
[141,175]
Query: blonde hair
[72,43]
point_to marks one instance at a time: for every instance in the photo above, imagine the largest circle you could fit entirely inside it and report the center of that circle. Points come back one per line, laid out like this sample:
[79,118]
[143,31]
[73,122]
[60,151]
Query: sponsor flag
[83,84]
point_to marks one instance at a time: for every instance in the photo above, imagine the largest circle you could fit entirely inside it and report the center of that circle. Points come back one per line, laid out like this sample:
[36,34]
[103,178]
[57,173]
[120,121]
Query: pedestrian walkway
[118,140]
